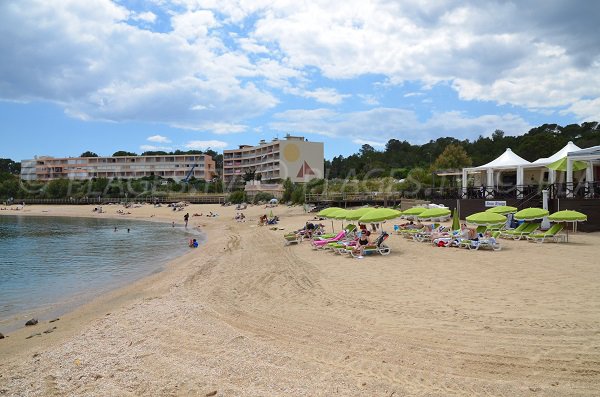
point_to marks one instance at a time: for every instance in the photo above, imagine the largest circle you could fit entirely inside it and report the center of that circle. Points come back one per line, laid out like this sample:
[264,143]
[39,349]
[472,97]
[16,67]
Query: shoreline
[45,310]
[246,315]
[75,314]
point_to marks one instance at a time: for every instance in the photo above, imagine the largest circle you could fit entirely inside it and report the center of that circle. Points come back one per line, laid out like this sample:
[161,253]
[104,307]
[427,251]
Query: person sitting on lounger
[363,241]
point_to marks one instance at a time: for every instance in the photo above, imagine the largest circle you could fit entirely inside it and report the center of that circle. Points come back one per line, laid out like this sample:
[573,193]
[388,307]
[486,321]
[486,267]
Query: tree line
[400,157]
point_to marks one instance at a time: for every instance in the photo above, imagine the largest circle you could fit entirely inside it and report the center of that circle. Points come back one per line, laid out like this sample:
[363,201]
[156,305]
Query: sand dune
[245,316]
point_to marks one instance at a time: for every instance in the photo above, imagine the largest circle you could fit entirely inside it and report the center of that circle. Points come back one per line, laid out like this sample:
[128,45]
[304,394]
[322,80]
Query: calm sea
[50,264]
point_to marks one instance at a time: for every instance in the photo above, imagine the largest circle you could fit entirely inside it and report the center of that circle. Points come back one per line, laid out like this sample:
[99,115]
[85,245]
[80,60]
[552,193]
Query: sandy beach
[244,315]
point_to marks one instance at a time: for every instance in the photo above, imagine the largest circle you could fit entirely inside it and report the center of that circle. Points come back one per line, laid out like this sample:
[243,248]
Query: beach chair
[532,227]
[548,235]
[512,232]
[376,248]
[426,233]
[318,244]
[487,242]
[343,246]
[349,229]
[292,238]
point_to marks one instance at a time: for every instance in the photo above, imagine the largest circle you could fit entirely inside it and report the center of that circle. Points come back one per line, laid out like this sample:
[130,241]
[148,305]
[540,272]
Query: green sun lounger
[512,232]
[548,235]
[532,227]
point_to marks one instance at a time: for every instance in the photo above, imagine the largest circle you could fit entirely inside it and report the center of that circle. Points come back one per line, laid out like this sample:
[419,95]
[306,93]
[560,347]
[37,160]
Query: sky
[139,75]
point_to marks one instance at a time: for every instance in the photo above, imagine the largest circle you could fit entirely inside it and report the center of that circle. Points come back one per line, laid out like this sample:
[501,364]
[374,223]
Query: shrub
[237,197]
[262,196]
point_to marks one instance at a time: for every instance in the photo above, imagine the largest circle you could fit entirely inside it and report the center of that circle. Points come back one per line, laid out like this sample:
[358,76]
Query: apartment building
[168,166]
[292,157]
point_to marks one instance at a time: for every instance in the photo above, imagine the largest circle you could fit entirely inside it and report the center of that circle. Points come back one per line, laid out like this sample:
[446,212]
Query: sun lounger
[487,242]
[349,229]
[517,230]
[292,238]
[548,235]
[376,248]
[532,227]
[318,244]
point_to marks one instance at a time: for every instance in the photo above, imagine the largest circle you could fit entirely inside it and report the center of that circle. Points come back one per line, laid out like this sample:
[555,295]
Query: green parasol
[413,212]
[502,209]
[339,214]
[561,165]
[326,211]
[354,215]
[568,216]
[531,214]
[486,218]
[379,215]
[433,213]
[455,220]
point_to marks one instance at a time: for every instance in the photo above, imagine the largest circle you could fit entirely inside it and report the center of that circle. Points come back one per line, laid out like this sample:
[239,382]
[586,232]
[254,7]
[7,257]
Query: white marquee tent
[506,161]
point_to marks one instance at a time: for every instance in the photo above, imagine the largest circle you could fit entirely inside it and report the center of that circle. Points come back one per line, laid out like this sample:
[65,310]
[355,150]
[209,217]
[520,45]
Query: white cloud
[152,148]
[148,17]
[84,58]
[204,145]
[215,128]
[382,124]
[227,62]
[375,144]
[586,110]
[369,99]
[158,139]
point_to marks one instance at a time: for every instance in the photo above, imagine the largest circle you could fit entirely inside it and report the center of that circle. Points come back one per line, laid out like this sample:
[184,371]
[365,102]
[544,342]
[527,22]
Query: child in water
[193,243]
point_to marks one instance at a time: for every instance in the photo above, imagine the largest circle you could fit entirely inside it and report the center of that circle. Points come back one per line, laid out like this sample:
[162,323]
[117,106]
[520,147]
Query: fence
[200,199]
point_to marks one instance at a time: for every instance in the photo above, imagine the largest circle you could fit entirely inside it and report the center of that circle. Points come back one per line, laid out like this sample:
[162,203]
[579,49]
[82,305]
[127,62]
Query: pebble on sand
[33,321]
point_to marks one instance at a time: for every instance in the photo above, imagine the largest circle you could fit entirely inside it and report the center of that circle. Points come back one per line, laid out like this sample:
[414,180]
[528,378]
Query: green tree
[122,153]
[10,166]
[88,154]
[237,197]
[249,174]
[288,189]
[453,157]
[58,188]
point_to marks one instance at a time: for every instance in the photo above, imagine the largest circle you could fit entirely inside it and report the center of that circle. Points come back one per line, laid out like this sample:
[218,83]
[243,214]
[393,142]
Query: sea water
[50,264]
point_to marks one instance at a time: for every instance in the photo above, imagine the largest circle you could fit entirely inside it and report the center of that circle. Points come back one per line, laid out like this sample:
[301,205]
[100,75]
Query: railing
[523,193]
[587,190]
[197,199]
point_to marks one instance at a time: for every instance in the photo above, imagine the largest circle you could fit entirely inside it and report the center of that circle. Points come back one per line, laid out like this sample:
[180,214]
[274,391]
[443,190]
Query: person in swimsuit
[363,241]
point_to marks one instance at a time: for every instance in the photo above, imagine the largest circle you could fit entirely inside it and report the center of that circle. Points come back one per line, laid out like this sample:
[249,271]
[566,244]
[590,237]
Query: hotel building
[176,167]
[292,157]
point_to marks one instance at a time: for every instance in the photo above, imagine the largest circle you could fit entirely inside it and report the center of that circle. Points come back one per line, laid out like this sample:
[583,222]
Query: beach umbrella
[354,215]
[413,212]
[455,220]
[502,209]
[332,215]
[568,216]
[326,211]
[379,215]
[561,165]
[433,213]
[531,214]
[486,218]
[340,214]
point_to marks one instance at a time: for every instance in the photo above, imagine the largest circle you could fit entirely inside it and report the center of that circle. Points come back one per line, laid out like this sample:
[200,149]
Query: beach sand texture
[244,315]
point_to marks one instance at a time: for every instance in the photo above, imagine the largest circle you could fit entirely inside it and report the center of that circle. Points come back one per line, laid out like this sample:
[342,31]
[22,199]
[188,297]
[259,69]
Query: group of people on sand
[444,238]
[240,217]
[264,220]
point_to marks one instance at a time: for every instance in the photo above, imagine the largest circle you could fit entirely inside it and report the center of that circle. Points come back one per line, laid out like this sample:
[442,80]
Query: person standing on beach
[186,217]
